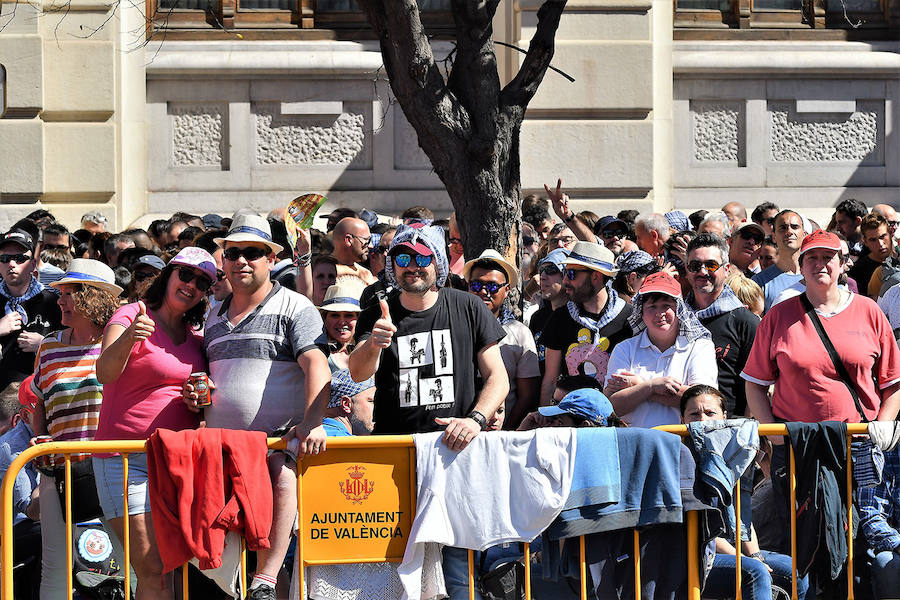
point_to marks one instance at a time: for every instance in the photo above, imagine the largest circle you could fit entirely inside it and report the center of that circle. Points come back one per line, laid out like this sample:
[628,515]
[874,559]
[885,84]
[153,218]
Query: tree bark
[466,124]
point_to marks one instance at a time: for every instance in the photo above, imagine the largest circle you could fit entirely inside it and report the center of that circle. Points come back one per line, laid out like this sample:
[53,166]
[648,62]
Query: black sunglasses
[186,275]
[616,232]
[491,287]
[140,276]
[751,235]
[549,269]
[379,250]
[251,253]
[18,258]
[571,274]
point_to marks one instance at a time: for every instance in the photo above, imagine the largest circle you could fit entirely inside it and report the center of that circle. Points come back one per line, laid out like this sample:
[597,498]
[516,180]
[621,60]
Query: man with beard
[580,335]
[732,325]
[613,233]
[351,248]
[785,272]
[427,392]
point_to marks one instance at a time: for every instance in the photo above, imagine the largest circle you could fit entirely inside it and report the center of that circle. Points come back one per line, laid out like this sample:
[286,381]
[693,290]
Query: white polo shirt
[688,362]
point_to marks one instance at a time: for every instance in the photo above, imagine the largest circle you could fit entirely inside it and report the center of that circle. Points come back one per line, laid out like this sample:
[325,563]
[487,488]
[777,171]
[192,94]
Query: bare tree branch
[519,92]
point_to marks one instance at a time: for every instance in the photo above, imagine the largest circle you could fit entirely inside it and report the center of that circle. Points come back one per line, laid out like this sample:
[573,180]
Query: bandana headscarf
[506,315]
[726,302]
[678,220]
[633,260]
[430,235]
[343,385]
[14,303]
[689,325]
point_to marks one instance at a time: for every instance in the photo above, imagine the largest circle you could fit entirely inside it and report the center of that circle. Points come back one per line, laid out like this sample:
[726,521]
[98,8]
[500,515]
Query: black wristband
[478,418]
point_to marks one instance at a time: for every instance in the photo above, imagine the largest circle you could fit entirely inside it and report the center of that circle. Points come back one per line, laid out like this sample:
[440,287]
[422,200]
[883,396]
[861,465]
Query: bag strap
[832,353]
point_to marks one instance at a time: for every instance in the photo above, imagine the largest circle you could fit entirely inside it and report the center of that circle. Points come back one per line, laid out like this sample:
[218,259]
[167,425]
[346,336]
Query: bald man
[736,213]
[351,246]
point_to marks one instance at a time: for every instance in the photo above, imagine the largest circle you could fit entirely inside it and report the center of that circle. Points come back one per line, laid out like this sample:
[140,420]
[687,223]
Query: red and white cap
[820,239]
[661,283]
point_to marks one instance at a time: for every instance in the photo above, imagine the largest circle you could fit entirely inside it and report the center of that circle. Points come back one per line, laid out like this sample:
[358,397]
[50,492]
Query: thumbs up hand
[143,326]
[383,330]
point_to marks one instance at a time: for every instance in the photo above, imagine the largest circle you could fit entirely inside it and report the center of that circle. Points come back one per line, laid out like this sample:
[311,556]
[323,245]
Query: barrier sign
[357,505]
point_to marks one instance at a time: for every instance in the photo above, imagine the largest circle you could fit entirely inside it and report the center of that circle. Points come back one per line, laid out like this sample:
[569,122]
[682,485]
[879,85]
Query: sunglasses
[549,269]
[571,274]
[379,249]
[611,233]
[140,276]
[711,266]
[752,235]
[251,253]
[186,275]
[491,287]
[403,260]
[17,258]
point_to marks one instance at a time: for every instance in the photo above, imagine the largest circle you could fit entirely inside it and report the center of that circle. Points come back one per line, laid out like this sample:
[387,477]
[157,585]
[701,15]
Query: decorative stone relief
[197,138]
[822,137]
[717,128]
[307,139]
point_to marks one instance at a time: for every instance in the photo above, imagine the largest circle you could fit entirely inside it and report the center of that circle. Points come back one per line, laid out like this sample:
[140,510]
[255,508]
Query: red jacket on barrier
[204,483]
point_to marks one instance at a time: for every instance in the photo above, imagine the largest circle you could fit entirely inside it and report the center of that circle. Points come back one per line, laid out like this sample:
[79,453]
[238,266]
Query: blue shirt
[879,506]
[334,428]
[12,444]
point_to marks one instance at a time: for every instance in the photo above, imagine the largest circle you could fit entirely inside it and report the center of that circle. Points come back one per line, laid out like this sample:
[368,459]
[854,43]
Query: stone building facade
[209,108]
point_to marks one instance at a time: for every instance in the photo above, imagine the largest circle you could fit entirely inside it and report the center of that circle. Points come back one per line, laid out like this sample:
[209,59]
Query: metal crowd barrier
[394,455]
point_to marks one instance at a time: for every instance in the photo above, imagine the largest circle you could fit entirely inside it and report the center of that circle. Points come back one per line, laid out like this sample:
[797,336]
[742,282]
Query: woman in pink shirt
[149,350]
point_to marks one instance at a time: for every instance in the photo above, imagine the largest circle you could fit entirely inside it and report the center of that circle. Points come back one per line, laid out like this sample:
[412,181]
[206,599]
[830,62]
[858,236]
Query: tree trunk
[466,124]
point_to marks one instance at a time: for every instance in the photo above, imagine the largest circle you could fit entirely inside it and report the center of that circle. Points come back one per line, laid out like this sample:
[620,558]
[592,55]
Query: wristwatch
[759,556]
[478,418]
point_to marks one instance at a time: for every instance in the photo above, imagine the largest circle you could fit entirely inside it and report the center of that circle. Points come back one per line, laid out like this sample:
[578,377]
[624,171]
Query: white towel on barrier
[504,487]
[885,434]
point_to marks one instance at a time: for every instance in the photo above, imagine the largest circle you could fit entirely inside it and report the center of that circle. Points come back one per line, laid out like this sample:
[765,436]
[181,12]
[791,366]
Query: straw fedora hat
[87,271]
[512,274]
[594,257]
[343,295]
[250,228]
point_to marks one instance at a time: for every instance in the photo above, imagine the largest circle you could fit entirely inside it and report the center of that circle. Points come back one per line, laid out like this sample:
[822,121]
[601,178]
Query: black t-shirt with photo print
[429,370]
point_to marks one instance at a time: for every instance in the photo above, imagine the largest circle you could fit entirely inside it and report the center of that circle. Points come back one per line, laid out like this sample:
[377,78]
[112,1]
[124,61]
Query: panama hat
[249,228]
[594,257]
[343,296]
[512,275]
[88,271]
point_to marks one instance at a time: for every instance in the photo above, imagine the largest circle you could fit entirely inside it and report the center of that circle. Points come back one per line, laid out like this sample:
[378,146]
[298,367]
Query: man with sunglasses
[489,277]
[352,241]
[417,392]
[613,233]
[29,309]
[269,374]
[732,325]
[744,244]
[580,335]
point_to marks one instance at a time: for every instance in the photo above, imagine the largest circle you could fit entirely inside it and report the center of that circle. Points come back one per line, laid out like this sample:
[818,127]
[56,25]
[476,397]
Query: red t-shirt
[787,351]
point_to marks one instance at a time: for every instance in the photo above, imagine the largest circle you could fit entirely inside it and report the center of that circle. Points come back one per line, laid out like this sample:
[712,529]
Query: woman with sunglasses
[149,350]
[648,373]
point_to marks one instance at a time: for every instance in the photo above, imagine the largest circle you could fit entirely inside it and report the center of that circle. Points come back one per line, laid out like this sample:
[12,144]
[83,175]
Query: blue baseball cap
[586,403]
[556,258]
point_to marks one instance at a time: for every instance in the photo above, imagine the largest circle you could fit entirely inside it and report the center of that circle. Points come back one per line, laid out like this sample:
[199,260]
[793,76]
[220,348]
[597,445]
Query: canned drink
[200,381]
[44,462]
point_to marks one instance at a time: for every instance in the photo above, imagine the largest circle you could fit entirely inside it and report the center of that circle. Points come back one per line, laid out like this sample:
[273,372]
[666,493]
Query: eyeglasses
[711,266]
[140,276]
[364,240]
[220,274]
[251,253]
[403,260]
[751,235]
[549,269]
[186,275]
[571,274]
[489,286]
[611,233]
[16,258]
[565,240]
[379,249]
[527,241]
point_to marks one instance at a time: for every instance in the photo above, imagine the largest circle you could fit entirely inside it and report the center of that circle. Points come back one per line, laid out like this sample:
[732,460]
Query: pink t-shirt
[147,395]
[787,351]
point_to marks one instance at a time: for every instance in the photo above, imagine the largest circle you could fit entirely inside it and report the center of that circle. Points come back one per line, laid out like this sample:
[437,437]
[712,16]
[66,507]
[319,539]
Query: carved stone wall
[197,135]
[304,140]
[822,137]
[717,127]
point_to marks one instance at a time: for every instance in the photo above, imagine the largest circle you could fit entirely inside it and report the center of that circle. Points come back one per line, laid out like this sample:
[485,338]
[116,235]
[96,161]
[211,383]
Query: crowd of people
[383,325]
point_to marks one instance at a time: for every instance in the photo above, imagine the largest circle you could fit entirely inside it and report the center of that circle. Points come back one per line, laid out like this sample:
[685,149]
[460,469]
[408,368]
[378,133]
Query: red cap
[820,239]
[27,398]
[661,283]
[419,248]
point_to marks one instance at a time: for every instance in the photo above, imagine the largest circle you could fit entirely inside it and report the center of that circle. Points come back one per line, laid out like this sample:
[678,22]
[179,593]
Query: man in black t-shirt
[423,344]
[732,325]
[581,334]
[29,309]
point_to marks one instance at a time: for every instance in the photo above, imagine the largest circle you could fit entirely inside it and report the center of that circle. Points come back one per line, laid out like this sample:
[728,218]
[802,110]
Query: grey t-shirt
[259,385]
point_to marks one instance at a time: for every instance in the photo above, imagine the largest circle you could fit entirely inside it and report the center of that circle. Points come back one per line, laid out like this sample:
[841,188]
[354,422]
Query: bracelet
[759,556]
[303,261]
[478,418]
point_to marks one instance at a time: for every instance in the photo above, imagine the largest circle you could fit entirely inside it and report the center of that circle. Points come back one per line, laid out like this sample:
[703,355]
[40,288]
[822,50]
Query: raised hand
[383,331]
[142,327]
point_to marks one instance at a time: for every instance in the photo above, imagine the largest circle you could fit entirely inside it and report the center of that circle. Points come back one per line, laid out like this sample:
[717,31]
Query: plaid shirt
[879,506]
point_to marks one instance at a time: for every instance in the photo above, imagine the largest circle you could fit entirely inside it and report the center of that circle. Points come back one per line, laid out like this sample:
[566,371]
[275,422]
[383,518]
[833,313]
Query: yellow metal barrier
[343,469]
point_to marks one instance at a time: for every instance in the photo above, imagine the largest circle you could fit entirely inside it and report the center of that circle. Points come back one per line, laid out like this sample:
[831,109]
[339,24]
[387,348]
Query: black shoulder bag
[829,347]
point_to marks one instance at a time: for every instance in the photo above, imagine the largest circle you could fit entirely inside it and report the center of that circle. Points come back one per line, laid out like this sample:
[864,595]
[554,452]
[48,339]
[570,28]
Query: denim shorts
[108,475]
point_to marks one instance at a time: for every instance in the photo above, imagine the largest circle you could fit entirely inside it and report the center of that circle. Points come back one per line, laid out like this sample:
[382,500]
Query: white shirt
[688,362]
[520,357]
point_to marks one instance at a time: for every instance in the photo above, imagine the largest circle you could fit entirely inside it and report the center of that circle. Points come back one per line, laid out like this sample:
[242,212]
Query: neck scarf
[506,315]
[689,326]
[726,302]
[613,307]
[14,303]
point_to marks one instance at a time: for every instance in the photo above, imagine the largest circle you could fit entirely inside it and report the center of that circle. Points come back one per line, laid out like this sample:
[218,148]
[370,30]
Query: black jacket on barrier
[820,451]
